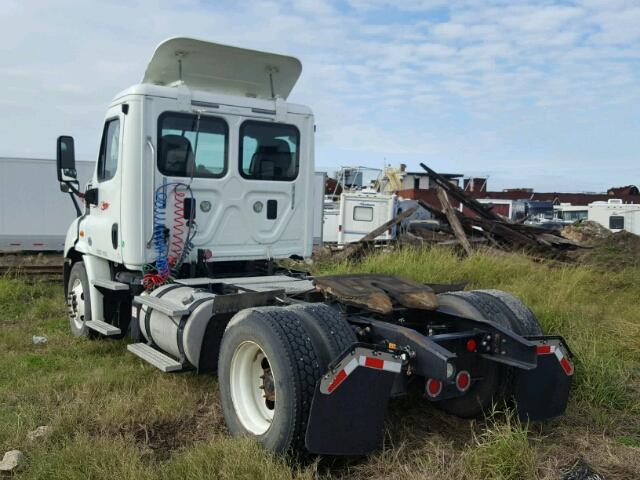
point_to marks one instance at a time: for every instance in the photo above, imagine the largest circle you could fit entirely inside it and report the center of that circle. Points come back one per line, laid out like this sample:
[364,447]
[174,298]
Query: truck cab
[208,129]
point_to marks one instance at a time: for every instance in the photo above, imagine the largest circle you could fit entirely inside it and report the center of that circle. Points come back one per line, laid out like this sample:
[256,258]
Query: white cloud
[461,82]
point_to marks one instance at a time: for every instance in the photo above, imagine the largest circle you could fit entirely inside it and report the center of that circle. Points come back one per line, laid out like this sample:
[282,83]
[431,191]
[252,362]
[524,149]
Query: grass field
[113,416]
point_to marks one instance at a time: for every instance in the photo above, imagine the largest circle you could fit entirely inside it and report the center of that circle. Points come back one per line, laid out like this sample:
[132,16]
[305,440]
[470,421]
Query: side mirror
[66,159]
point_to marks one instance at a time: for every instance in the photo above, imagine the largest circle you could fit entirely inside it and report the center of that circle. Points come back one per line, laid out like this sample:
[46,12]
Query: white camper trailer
[616,216]
[34,217]
[360,213]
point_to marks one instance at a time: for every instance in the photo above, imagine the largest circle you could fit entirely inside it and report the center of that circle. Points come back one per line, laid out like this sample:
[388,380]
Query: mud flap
[349,404]
[543,392]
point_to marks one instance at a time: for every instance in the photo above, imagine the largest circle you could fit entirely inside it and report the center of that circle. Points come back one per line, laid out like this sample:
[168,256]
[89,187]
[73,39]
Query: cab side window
[109,150]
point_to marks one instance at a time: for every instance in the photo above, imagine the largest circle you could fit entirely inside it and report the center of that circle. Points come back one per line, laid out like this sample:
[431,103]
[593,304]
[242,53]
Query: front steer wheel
[79,301]
[267,371]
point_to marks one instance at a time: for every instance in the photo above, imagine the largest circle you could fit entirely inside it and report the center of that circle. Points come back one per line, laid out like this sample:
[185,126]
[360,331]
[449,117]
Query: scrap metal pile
[485,226]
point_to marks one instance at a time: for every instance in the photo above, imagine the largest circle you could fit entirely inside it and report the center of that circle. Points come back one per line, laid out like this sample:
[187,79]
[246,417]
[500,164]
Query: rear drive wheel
[79,301]
[493,379]
[267,372]
[330,334]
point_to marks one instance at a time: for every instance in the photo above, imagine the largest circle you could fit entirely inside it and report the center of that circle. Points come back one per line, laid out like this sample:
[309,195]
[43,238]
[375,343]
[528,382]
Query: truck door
[102,226]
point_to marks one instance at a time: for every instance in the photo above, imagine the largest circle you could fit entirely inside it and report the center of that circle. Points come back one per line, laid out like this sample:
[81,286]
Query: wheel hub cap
[75,301]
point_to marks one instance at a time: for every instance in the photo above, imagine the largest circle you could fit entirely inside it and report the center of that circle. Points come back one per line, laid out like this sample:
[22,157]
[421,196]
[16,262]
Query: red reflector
[463,380]
[374,362]
[434,387]
[543,349]
[471,345]
[566,366]
[337,381]
[208,254]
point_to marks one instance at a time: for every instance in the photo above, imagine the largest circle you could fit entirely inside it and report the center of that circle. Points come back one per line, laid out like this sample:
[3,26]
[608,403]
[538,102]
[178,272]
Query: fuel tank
[179,335]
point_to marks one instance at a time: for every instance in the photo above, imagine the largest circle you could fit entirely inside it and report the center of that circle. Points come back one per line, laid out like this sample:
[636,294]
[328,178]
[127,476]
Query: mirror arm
[74,189]
[75,204]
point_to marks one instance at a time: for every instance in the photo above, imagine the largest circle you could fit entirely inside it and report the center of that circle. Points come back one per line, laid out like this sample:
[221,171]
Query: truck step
[102,327]
[168,308]
[155,357]
[110,284]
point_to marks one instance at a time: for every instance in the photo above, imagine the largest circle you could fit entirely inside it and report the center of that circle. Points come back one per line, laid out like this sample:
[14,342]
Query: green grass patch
[113,416]
[503,451]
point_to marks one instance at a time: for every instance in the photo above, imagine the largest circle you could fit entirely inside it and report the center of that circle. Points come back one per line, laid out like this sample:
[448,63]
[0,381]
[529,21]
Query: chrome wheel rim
[76,303]
[253,390]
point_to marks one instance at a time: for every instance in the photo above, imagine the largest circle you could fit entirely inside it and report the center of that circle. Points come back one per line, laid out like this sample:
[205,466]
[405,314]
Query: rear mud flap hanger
[350,401]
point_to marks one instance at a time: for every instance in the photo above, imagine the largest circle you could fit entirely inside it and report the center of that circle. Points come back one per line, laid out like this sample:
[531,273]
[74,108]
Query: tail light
[433,388]
[463,381]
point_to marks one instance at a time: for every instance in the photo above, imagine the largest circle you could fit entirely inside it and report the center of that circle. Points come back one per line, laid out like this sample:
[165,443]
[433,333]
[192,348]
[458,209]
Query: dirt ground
[604,248]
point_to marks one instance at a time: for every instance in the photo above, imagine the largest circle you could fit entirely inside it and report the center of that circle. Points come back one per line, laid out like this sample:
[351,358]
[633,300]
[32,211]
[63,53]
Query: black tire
[526,323]
[330,334]
[281,335]
[509,312]
[76,321]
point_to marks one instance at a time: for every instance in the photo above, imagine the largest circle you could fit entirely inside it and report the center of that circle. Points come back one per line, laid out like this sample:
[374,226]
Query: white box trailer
[616,216]
[33,214]
[360,213]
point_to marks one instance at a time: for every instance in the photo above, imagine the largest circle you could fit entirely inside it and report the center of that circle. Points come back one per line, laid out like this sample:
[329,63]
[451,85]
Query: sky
[538,94]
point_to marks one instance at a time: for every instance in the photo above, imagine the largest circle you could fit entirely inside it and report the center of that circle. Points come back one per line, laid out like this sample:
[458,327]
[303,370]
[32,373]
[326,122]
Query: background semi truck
[204,181]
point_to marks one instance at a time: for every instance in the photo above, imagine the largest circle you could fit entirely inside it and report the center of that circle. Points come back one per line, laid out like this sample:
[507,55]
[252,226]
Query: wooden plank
[453,220]
[460,195]
[502,231]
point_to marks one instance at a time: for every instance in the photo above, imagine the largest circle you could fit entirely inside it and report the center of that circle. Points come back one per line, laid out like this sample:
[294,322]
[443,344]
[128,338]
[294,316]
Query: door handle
[114,236]
[272,209]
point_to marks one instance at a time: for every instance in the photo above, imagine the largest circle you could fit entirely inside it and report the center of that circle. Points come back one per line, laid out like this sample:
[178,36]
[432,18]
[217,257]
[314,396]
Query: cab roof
[222,69]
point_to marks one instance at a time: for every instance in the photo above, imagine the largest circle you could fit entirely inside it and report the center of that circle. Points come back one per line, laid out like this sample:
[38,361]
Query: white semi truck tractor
[203,182]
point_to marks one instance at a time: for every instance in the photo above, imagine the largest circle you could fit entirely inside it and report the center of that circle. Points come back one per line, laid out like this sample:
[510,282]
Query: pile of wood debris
[452,227]
[484,226]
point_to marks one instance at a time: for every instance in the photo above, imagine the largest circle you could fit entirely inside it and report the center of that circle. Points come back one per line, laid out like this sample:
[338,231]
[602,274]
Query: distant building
[503,201]
[475,184]
[421,180]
